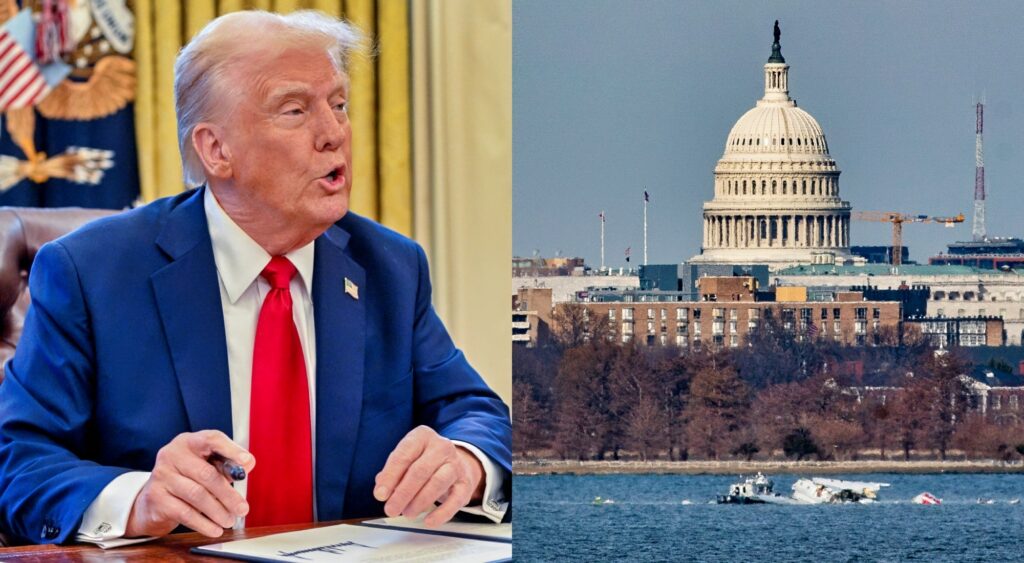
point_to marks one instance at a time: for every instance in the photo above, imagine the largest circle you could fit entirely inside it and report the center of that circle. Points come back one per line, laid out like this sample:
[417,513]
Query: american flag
[601,215]
[627,252]
[21,82]
[812,330]
[647,196]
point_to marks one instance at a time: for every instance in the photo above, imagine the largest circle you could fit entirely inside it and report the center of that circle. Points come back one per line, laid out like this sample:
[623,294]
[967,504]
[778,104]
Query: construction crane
[897,220]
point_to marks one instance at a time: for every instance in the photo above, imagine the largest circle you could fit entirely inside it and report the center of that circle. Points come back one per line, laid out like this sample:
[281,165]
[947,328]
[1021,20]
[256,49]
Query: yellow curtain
[462,149]
[379,101]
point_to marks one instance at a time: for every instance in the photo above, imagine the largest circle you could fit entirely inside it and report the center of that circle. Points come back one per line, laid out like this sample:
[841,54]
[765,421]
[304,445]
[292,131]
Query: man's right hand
[185,488]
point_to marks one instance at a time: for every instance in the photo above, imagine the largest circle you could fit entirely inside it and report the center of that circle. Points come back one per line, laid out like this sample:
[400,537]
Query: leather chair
[22,231]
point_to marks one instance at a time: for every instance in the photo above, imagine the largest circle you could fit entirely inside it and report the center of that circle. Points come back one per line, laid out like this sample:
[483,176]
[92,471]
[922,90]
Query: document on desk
[351,543]
[471,530]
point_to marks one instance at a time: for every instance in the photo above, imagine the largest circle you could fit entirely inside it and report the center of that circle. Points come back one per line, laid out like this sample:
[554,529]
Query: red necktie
[280,489]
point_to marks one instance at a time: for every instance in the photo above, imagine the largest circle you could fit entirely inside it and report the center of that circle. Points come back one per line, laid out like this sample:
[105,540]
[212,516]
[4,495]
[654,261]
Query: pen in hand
[228,468]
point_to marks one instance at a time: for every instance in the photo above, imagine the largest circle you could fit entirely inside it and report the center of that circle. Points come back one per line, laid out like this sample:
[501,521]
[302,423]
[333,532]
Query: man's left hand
[426,468]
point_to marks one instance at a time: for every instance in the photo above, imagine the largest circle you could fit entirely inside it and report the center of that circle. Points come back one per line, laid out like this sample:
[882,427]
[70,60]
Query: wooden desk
[174,547]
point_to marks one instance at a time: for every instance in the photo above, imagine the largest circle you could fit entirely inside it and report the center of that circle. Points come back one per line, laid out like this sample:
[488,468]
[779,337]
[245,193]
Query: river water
[669,518]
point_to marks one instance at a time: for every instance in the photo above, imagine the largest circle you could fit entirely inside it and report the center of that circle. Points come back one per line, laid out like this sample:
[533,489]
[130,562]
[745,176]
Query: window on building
[664,314]
[650,313]
[682,328]
[836,313]
[718,327]
[861,313]
[940,312]
[860,327]
[696,329]
[650,327]
[611,314]
[682,341]
[788,316]
[996,402]
[627,314]
[733,314]
[824,313]
[755,314]
[1013,402]
[696,314]
[663,339]
[732,326]
[626,338]
[682,314]
[718,312]
[876,313]
[627,328]
[734,341]
[836,328]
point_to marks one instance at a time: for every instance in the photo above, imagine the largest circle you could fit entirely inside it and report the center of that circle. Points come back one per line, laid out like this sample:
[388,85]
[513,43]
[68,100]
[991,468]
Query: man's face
[289,144]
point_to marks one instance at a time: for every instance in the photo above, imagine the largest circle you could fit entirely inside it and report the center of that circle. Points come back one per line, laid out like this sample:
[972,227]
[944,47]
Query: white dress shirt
[239,261]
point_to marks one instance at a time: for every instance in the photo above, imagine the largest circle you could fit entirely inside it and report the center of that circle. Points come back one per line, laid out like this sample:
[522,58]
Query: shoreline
[559,467]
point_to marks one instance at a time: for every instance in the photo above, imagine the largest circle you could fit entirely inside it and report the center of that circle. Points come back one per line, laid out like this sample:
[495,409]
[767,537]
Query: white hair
[204,64]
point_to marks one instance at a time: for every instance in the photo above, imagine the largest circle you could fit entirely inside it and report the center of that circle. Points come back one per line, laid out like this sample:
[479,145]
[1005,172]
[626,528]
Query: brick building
[731,307]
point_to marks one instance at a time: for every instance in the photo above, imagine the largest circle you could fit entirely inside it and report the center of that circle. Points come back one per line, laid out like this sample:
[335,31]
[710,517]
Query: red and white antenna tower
[978,229]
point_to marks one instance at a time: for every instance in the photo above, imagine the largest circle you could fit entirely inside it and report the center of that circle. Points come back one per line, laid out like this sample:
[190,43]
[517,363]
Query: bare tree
[719,404]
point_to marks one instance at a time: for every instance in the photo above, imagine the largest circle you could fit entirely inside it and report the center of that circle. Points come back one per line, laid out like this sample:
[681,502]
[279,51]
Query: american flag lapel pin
[351,289]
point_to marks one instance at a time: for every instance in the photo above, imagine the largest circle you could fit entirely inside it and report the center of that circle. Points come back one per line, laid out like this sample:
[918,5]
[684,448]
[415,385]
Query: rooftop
[886,270]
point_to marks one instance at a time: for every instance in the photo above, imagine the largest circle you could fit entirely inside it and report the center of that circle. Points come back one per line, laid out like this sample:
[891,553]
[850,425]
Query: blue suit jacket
[124,348]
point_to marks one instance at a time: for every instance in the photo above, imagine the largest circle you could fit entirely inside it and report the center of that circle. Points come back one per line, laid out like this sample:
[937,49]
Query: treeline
[585,396]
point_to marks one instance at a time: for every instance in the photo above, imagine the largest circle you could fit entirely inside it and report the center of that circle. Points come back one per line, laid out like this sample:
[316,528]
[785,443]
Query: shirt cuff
[494,504]
[105,521]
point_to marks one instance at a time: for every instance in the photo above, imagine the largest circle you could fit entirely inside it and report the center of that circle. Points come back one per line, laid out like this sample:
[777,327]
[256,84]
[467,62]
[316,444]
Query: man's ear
[208,141]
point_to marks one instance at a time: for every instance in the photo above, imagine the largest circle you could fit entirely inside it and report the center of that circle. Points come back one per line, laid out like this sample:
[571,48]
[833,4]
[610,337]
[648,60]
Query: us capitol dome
[776,196]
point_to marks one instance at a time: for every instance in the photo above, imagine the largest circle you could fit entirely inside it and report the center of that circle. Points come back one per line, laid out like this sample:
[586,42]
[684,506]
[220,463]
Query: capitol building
[776,196]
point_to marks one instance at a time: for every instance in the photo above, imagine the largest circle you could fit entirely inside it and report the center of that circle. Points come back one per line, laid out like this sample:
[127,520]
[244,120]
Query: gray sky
[609,97]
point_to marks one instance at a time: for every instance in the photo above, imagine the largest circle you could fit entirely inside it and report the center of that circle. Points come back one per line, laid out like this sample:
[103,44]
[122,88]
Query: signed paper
[361,543]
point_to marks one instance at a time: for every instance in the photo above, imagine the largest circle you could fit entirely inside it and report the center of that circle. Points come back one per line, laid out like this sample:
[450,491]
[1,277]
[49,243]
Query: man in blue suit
[256,308]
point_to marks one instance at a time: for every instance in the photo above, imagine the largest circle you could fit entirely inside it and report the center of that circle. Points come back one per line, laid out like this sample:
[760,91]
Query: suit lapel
[340,347]
[188,298]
